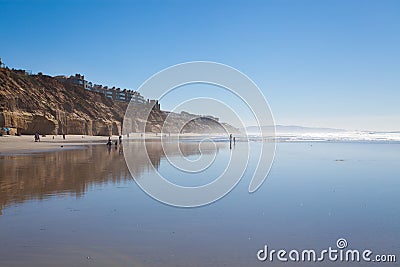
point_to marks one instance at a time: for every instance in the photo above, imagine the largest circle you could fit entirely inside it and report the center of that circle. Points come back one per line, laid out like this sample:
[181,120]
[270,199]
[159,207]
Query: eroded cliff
[30,103]
[41,103]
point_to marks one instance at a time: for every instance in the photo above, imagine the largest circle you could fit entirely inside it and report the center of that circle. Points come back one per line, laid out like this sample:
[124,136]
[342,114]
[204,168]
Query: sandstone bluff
[45,104]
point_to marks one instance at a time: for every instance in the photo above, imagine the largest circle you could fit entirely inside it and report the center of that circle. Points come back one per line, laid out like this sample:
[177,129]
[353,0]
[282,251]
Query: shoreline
[25,144]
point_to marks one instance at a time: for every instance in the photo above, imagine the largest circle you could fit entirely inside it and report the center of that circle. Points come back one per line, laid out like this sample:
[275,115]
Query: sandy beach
[26,144]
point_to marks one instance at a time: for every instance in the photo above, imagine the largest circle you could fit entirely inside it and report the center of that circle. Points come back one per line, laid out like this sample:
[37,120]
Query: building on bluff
[115,94]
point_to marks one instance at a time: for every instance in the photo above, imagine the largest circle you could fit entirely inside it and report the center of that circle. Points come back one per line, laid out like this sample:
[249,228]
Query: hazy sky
[318,63]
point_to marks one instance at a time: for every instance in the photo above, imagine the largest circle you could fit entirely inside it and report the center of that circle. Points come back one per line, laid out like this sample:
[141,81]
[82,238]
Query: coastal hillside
[40,103]
[45,104]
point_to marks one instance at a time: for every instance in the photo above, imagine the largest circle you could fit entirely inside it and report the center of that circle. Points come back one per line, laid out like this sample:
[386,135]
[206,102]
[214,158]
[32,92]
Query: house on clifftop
[113,93]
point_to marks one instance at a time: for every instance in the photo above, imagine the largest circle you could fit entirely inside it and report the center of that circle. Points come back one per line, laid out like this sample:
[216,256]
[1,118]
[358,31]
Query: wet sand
[81,207]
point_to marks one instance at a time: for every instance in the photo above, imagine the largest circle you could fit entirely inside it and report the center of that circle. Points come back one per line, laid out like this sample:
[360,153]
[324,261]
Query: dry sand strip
[11,145]
[26,144]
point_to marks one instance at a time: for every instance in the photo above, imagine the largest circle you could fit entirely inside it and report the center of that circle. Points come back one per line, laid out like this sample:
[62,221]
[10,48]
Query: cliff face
[168,122]
[30,103]
[40,103]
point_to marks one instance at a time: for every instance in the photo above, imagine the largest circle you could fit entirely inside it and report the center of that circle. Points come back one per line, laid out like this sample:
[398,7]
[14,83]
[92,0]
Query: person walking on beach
[109,143]
[37,137]
[120,139]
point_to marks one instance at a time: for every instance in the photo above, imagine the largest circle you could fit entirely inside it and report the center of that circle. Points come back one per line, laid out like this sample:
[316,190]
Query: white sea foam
[361,136]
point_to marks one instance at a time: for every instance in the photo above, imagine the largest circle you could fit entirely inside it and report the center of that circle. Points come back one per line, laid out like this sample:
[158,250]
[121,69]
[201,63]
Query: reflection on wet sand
[38,176]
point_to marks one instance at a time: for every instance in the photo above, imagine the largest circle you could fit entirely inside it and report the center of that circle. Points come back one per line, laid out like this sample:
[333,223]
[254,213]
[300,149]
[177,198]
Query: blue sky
[319,63]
